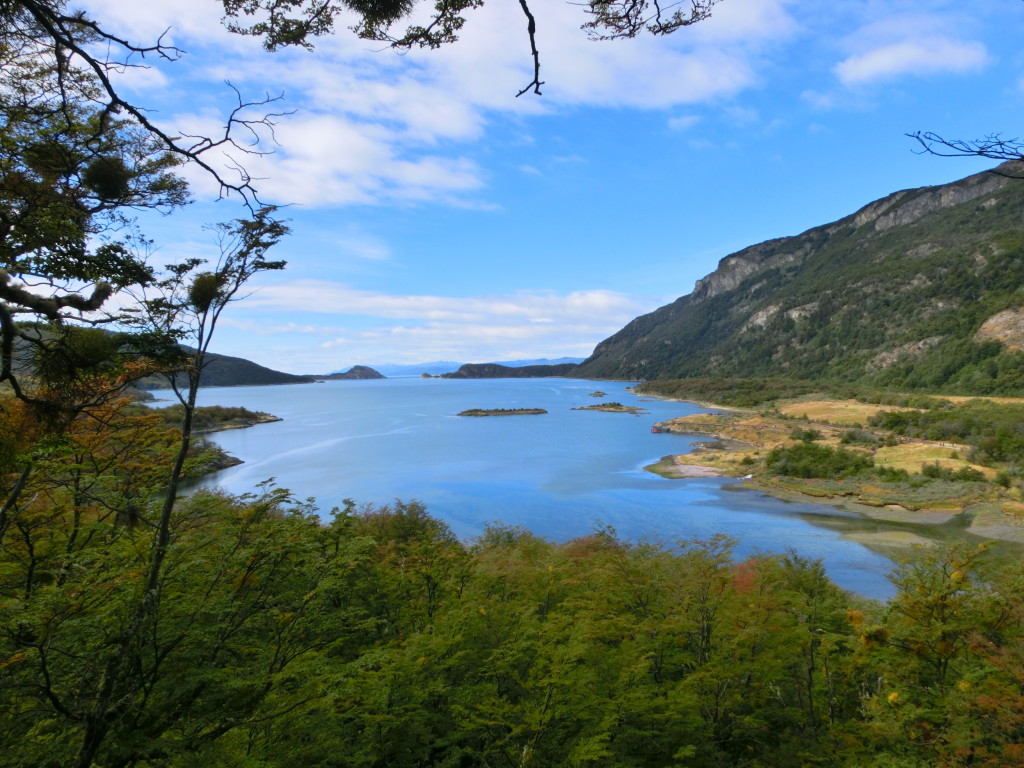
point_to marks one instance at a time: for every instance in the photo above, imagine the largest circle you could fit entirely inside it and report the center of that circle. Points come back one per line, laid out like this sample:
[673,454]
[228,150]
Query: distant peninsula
[503,412]
[355,372]
[498,371]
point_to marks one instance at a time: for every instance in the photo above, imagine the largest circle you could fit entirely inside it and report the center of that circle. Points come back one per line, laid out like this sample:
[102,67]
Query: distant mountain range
[226,371]
[923,289]
[439,367]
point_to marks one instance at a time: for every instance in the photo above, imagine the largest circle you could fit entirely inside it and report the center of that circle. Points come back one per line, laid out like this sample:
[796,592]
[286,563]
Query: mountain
[355,372]
[226,371]
[923,289]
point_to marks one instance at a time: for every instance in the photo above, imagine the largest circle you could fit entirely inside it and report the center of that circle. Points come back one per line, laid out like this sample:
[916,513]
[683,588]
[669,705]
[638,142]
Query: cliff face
[896,210]
[896,293]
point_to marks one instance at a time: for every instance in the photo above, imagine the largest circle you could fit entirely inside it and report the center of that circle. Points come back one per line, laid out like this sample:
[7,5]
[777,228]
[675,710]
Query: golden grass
[910,456]
[844,412]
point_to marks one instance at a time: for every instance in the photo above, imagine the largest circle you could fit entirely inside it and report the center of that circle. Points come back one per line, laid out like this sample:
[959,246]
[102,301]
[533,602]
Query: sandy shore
[889,529]
[678,468]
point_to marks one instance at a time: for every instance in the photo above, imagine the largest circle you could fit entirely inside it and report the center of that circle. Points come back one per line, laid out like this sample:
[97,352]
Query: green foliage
[743,393]
[995,431]
[859,437]
[809,460]
[936,471]
[806,435]
[381,639]
[210,418]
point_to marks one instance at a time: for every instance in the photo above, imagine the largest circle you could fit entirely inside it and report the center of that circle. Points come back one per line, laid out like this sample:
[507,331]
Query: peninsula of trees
[503,412]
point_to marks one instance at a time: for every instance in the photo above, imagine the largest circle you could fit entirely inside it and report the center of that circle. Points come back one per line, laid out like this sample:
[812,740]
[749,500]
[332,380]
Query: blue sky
[436,216]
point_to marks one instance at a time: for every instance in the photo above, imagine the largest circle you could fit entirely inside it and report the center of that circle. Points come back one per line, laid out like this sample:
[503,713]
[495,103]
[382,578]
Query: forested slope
[380,640]
[923,289]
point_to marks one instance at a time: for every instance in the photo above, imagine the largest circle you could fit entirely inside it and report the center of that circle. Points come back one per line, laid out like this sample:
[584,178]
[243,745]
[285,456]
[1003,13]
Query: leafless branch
[531,30]
[68,34]
[992,147]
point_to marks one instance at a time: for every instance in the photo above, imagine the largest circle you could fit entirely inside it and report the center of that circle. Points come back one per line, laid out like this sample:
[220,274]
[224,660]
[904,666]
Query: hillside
[226,371]
[356,372]
[923,289]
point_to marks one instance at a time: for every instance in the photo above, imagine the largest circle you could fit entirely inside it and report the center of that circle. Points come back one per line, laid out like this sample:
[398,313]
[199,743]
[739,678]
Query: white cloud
[818,100]
[683,123]
[917,57]
[376,127]
[341,299]
[368,326]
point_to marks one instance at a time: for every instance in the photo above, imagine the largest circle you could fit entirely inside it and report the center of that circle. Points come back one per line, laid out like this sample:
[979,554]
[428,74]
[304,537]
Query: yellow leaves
[244,579]
[855,617]
[893,698]
[956,576]
[874,636]
[964,686]
[12,660]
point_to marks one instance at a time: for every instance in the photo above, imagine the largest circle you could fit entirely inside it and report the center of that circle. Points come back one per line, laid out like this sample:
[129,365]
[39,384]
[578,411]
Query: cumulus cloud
[916,57]
[373,127]
[369,326]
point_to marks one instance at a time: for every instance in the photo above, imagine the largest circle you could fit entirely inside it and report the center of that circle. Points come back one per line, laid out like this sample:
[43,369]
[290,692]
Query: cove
[562,474]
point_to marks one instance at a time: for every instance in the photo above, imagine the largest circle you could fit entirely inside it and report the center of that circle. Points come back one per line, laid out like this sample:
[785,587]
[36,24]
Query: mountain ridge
[895,294]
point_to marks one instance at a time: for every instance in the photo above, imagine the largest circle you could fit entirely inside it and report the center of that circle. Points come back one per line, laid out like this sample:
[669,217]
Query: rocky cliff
[912,290]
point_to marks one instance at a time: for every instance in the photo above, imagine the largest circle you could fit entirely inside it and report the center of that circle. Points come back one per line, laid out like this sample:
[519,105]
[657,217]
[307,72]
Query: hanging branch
[531,30]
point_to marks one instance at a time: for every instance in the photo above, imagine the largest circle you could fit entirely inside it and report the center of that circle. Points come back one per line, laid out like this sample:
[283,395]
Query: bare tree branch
[992,147]
[531,30]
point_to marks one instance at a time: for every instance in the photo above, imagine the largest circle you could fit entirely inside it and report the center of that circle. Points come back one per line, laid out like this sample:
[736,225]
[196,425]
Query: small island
[356,372]
[598,393]
[502,412]
[612,408]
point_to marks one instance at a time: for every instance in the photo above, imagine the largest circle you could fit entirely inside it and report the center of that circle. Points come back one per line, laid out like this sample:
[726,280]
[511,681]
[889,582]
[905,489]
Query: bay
[560,475]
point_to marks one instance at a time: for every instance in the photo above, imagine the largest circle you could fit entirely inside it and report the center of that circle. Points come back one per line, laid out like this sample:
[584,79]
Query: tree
[70,174]
[294,22]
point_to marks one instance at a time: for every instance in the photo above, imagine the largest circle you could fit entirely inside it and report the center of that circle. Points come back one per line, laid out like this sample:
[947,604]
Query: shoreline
[890,529]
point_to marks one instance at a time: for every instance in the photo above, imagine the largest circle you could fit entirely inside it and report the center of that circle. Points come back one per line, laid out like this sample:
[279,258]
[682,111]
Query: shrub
[809,460]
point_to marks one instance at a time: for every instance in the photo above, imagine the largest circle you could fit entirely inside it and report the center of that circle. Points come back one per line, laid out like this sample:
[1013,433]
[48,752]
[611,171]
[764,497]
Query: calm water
[560,475]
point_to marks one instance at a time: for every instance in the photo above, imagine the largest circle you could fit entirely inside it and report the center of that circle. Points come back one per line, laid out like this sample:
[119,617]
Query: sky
[436,216]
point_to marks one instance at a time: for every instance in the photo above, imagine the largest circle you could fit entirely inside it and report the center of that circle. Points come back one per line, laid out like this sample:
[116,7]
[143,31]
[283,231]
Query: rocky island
[502,412]
[612,408]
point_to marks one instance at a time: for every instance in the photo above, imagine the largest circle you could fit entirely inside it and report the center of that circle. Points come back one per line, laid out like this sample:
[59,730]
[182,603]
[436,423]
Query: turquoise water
[560,475]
